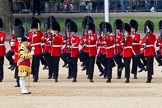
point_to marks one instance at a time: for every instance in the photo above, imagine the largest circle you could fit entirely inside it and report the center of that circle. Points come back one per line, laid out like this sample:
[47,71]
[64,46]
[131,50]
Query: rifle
[69,36]
[123,37]
[105,33]
[50,39]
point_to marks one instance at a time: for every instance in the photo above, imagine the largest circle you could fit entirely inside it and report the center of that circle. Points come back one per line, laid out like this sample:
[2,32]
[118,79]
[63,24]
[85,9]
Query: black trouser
[55,66]
[73,68]
[109,67]
[138,58]
[118,60]
[83,56]
[134,65]
[9,57]
[90,70]
[42,59]
[35,66]
[150,69]
[47,57]
[36,6]
[16,75]
[65,57]
[1,67]
[127,67]
[101,61]
[158,58]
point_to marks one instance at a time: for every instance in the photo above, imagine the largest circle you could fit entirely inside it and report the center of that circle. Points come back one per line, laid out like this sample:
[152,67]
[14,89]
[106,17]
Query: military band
[117,45]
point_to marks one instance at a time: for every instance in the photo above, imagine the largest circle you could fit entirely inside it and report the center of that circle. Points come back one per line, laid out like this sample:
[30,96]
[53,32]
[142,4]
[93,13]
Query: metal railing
[95,6]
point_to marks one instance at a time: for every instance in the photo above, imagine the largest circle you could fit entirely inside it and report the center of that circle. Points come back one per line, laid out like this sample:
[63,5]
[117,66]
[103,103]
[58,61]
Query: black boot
[127,81]
[74,80]
[13,67]
[64,65]
[108,81]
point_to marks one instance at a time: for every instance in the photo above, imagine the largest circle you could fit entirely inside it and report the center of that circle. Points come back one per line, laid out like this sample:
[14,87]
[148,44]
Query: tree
[6,14]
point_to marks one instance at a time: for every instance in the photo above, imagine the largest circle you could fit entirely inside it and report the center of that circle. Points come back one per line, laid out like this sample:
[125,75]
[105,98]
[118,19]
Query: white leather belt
[35,44]
[149,45]
[91,45]
[102,47]
[1,44]
[74,47]
[117,45]
[56,45]
[127,47]
[135,43]
[109,47]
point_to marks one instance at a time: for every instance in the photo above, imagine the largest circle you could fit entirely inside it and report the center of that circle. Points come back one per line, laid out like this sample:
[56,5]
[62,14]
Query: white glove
[32,52]
[92,38]
[12,43]
[1,39]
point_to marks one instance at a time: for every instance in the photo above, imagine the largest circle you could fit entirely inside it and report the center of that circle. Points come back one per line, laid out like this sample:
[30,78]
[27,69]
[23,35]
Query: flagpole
[106,5]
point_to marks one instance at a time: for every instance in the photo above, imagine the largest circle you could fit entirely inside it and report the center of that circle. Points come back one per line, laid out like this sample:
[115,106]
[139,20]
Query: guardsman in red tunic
[19,33]
[135,45]
[109,49]
[74,50]
[35,39]
[149,49]
[92,49]
[65,55]
[118,50]
[127,50]
[101,56]
[56,49]
[159,45]
[47,45]
[12,39]
[2,49]
[83,53]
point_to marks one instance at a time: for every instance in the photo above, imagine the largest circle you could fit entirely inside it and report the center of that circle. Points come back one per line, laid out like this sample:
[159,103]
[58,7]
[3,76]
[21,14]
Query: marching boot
[10,67]
[119,77]
[35,80]
[108,81]
[17,81]
[0,80]
[135,76]
[50,77]
[84,68]
[91,81]
[13,67]
[127,81]
[64,65]
[74,80]
[56,80]
[142,69]
[69,77]
[23,86]
[44,67]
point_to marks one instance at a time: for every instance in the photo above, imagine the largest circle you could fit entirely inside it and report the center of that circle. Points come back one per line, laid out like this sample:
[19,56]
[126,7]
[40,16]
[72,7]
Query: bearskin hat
[91,26]
[107,26]
[150,25]
[118,24]
[127,27]
[86,20]
[31,20]
[49,21]
[160,24]
[34,23]
[19,31]
[16,22]
[73,26]
[67,21]
[23,39]
[55,26]
[134,24]
[100,26]
[1,23]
